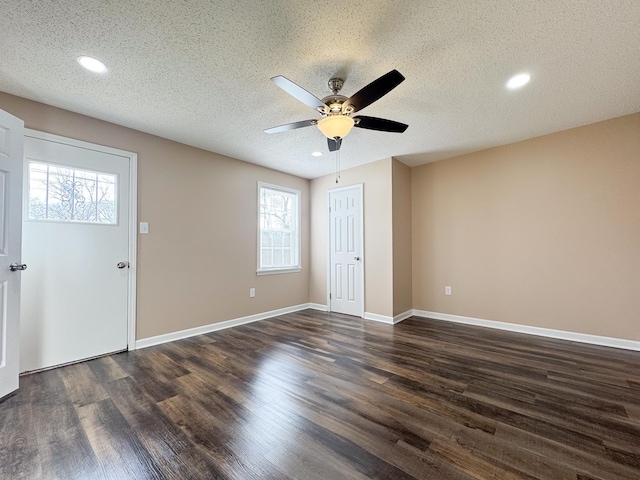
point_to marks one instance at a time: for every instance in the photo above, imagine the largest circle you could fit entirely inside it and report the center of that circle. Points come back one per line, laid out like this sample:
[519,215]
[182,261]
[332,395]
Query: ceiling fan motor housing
[334,104]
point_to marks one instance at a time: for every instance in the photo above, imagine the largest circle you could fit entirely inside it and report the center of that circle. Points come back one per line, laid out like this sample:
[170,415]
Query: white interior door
[11,132]
[346,273]
[75,233]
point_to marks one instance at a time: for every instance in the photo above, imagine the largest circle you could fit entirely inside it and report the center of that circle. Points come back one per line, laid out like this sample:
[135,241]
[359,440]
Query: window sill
[279,270]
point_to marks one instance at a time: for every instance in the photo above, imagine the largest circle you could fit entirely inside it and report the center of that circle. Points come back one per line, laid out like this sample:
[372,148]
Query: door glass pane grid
[67,194]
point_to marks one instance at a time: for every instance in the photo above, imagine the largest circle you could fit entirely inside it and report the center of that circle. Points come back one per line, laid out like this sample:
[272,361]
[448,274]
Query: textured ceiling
[197,71]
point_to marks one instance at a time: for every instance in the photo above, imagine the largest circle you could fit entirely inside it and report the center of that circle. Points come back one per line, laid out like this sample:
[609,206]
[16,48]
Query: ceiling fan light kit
[336,109]
[336,126]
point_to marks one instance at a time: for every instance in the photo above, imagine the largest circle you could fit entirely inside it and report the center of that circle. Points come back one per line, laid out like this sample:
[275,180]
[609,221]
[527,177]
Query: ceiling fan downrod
[335,85]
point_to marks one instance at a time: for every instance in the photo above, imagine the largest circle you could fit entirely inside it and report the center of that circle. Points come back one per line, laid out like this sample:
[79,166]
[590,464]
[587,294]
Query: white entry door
[346,273]
[76,237]
[11,131]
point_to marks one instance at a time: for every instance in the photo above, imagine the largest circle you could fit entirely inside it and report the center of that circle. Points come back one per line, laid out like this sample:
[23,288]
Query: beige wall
[544,232]
[401,210]
[199,261]
[378,256]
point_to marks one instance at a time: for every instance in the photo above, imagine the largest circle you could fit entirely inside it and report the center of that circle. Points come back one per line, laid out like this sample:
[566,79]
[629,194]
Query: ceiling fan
[336,109]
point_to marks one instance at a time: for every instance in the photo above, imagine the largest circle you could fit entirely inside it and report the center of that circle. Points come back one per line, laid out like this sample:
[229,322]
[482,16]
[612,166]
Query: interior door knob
[17,266]
[122,264]
[356,258]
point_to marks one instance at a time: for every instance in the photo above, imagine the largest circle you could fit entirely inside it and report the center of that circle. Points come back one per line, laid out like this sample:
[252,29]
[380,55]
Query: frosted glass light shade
[336,126]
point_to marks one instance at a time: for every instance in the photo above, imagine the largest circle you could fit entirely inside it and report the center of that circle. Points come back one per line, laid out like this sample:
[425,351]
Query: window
[66,194]
[278,229]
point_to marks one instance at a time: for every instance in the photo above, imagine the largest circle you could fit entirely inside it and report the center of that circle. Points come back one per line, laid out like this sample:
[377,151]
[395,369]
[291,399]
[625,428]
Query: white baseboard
[171,337]
[378,318]
[402,316]
[318,306]
[387,319]
[512,327]
[542,332]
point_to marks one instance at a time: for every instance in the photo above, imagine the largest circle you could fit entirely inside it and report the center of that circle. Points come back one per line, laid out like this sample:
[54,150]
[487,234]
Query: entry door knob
[17,266]
[122,264]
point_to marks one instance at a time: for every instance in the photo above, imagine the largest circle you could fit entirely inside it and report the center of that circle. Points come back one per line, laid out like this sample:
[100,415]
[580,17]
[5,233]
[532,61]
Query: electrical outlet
[252,292]
[447,290]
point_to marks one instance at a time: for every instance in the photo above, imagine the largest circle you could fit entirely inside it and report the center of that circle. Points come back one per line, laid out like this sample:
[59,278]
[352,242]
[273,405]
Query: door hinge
[329,296]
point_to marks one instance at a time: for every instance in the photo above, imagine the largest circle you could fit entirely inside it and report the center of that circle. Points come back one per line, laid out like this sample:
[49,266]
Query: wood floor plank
[296,460]
[321,395]
[206,432]
[633,412]
[115,444]
[63,450]
[583,463]
[81,384]
[155,381]
[18,444]
[106,369]
[359,458]
[429,425]
[470,463]
[167,445]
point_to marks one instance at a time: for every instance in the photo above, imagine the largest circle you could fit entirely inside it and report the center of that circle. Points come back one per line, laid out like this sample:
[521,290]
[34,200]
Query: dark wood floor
[315,395]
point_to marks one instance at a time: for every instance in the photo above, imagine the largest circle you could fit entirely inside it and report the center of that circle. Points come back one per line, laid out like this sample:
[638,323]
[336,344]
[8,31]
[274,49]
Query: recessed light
[316,154]
[518,81]
[92,64]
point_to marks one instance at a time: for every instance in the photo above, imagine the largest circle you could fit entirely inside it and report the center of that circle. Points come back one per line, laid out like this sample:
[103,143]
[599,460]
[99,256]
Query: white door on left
[11,132]
[75,233]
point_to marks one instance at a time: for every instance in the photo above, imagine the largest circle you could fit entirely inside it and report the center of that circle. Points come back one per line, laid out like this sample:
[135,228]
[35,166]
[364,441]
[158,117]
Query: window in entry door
[66,194]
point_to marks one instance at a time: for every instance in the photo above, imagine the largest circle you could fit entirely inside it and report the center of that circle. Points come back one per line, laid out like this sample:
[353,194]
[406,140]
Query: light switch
[144,228]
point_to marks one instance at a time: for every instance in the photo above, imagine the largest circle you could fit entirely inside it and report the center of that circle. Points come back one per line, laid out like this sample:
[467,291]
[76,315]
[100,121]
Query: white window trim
[274,271]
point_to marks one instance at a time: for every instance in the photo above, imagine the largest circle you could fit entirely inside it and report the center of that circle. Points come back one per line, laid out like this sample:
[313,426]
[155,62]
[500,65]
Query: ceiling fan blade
[291,126]
[334,144]
[299,93]
[374,91]
[381,124]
